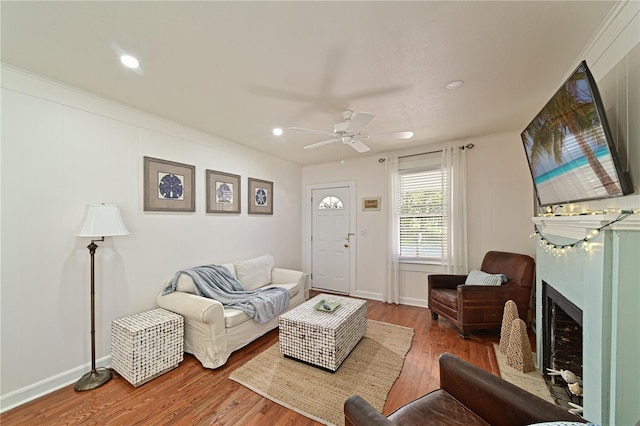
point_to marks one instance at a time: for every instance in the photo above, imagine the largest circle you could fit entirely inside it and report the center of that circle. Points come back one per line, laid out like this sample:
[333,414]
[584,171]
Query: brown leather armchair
[468,395]
[475,307]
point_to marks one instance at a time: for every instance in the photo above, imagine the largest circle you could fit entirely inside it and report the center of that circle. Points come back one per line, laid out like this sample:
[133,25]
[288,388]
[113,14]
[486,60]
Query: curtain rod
[467,146]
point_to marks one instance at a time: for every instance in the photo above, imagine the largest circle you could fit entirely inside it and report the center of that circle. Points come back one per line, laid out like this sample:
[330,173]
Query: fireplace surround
[603,282]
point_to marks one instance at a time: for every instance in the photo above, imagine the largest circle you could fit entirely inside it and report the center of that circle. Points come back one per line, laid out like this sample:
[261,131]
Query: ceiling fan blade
[302,129]
[356,144]
[360,120]
[376,92]
[269,92]
[392,135]
[322,143]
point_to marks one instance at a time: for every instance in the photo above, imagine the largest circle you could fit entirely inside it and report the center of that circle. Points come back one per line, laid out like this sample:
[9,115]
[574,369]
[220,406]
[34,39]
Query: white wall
[499,196]
[63,149]
[500,206]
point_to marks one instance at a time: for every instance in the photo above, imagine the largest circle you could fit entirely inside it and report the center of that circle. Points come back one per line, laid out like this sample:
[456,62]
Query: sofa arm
[286,276]
[497,401]
[490,300]
[358,412]
[504,291]
[192,307]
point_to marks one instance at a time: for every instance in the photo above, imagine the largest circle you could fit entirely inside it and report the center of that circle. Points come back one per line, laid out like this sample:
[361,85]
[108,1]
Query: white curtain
[391,283]
[454,166]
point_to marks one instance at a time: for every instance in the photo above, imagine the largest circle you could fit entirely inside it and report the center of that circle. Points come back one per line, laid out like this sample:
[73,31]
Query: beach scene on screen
[574,179]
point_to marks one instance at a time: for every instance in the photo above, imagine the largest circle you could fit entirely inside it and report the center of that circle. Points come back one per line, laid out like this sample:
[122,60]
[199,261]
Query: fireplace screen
[562,341]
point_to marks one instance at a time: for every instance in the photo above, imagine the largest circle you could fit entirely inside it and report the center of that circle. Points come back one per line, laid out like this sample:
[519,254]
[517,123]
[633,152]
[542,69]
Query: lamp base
[93,379]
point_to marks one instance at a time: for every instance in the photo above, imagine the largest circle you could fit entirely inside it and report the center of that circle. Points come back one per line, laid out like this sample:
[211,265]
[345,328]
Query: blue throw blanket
[215,282]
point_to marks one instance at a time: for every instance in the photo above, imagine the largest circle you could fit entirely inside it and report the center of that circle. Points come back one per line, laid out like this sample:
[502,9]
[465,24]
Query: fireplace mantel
[577,227]
[603,281]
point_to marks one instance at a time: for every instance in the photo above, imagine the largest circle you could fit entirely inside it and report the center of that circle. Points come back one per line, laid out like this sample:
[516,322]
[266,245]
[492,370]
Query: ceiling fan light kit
[348,132]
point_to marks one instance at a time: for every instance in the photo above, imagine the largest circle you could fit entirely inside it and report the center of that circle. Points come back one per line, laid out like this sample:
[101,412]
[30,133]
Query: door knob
[348,239]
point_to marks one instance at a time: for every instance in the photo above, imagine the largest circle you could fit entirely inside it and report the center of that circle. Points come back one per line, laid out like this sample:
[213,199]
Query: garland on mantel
[549,212]
[585,243]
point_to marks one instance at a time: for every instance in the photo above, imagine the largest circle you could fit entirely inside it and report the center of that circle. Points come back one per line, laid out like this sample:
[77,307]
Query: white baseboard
[409,301]
[44,387]
[412,301]
[368,295]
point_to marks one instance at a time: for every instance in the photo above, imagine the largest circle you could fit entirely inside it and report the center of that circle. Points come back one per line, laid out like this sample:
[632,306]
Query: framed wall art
[223,192]
[370,204]
[169,186]
[260,196]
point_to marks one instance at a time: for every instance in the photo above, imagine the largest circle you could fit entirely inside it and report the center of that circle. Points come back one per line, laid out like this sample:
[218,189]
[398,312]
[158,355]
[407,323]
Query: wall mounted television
[570,149]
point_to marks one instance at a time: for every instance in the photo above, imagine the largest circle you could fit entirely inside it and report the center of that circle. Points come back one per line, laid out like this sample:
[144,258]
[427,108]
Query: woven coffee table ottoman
[323,339]
[146,345]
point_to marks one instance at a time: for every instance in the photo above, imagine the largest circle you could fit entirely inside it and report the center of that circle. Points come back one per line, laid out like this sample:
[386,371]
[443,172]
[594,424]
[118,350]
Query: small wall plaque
[370,204]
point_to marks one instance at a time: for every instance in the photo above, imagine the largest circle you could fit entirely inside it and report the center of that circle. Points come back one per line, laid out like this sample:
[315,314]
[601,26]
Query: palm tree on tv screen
[571,111]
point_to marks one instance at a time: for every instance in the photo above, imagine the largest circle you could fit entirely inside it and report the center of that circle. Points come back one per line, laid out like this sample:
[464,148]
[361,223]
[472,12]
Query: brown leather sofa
[475,307]
[468,396]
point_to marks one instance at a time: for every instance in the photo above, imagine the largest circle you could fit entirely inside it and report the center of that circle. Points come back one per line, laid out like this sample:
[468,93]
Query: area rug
[533,381]
[369,371]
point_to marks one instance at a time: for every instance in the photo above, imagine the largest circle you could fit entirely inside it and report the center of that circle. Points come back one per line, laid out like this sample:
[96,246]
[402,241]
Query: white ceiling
[238,69]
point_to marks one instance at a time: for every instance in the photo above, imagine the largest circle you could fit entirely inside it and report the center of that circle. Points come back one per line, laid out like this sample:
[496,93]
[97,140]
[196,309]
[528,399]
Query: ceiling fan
[349,132]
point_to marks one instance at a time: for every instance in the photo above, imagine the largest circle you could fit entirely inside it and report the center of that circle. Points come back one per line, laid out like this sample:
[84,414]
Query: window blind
[421,214]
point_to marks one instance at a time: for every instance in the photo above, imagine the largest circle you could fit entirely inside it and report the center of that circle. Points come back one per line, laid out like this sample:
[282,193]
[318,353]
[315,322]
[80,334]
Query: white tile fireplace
[604,282]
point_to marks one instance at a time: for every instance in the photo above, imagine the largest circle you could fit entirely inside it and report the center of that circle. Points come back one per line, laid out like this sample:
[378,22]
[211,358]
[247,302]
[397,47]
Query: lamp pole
[95,377]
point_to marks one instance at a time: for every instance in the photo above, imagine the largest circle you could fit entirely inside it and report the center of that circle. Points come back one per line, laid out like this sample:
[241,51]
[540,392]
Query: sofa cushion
[185,282]
[440,408]
[256,272]
[231,269]
[446,296]
[292,288]
[234,317]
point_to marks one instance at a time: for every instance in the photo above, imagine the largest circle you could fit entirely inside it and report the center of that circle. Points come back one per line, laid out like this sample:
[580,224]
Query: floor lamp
[100,220]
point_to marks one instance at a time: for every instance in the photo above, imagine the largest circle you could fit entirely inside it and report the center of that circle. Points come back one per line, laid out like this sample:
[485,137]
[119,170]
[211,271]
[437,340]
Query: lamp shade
[102,220]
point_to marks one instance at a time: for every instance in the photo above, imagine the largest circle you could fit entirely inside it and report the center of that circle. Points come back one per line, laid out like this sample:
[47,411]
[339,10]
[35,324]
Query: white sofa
[212,333]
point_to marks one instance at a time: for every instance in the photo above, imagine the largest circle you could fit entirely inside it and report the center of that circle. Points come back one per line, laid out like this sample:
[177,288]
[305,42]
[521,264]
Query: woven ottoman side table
[146,345]
[323,339]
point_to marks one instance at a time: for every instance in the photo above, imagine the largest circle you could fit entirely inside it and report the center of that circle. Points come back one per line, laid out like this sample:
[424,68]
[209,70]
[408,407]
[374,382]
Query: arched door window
[330,202]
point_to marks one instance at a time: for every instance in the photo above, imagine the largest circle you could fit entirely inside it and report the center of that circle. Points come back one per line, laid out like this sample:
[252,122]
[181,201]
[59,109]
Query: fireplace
[602,281]
[561,342]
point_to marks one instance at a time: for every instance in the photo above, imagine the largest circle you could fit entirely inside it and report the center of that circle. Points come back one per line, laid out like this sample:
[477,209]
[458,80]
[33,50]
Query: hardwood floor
[193,395]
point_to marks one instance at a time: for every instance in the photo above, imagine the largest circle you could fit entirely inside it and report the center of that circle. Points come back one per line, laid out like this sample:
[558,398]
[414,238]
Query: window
[422,214]
[330,203]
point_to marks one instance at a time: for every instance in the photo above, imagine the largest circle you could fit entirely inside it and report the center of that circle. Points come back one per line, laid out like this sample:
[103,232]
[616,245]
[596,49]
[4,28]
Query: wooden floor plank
[194,395]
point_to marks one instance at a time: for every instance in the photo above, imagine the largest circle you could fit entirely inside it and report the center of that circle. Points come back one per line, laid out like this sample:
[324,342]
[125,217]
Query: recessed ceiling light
[129,61]
[277,131]
[455,84]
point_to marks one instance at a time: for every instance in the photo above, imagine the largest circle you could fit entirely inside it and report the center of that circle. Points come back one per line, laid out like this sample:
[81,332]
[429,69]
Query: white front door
[331,239]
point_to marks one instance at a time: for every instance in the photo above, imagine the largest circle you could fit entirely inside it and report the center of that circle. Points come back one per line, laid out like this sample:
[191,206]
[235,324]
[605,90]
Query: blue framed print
[260,199]
[223,192]
[168,186]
